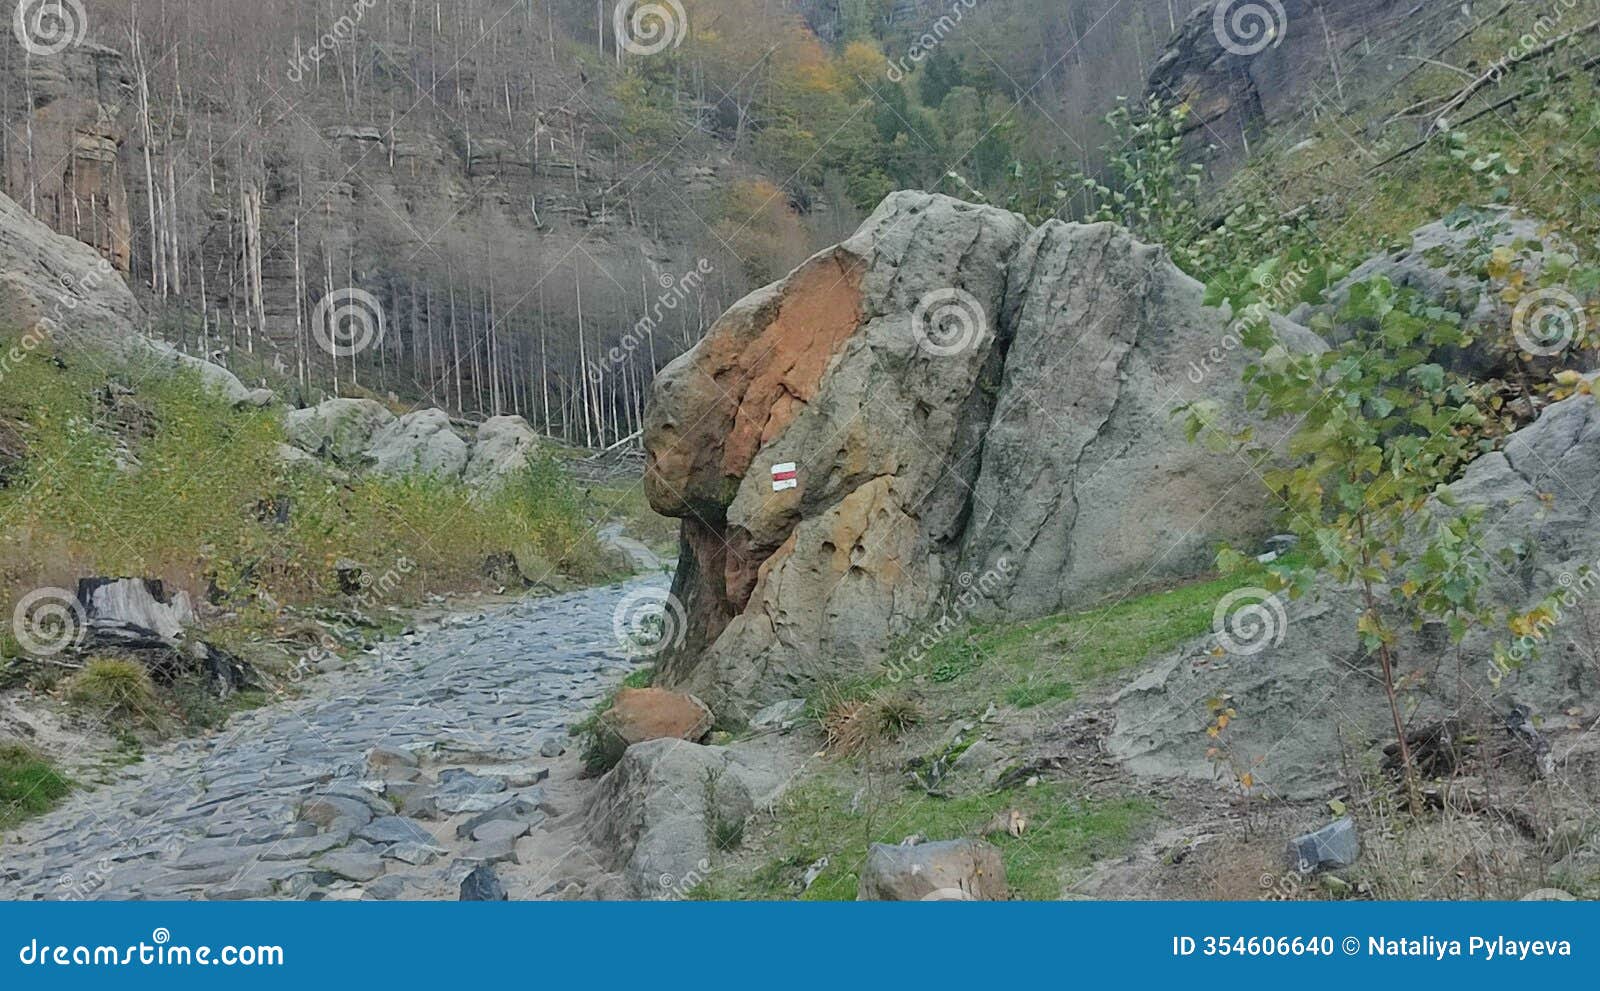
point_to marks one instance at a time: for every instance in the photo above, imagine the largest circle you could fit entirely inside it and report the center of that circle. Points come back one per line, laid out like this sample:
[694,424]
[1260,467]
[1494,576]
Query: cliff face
[949,411]
[1250,69]
[67,127]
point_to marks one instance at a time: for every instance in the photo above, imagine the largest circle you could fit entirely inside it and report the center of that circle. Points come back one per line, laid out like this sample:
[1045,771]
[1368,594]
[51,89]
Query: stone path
[394,779]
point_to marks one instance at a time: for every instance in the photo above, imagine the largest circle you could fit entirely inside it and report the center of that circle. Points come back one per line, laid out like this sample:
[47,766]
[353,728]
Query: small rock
[324,809]
[522,777]
[386,888]
[352,865]
[1548,895]
[489,852]
[523,809]
[642,714]
[552,747]
[500,829]
[415,854]
[952,870]
[1335,845]
[237,891]
[779,717]
[395,829]
[482,884]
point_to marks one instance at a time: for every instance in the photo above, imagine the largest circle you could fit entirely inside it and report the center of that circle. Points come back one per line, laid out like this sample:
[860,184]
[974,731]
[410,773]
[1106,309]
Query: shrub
[29,784]
[118,690]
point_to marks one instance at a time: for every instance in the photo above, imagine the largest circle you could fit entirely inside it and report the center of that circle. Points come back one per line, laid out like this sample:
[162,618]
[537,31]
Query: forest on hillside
[530,206]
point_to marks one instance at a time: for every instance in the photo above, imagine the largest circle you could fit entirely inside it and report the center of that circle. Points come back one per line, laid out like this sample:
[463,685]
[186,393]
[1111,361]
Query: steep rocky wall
[1247,68]
[968,403]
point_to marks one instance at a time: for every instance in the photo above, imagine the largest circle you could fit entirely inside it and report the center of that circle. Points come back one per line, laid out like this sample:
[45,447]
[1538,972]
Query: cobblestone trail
[393,778]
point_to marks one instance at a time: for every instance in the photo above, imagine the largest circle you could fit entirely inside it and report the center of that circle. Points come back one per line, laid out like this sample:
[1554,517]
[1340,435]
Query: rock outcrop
[949,871]
[972,409]
[504,446]
[341,429]
[421,442]
[1245,67]
[1310,693]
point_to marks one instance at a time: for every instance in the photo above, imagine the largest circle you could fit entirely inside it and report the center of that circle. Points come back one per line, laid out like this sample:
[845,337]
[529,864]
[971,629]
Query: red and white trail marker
[785,476]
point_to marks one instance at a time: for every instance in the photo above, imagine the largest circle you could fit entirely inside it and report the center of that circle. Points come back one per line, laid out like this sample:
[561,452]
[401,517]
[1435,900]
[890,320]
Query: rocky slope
[979,418]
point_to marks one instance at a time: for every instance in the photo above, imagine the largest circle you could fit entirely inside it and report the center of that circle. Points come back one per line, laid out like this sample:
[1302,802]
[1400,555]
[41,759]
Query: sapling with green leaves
[1378,429]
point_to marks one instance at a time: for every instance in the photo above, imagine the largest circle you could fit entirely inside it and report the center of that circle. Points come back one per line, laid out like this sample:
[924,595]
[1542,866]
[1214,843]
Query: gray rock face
[1310,689]
[654,812]
[60,288]
[422,442]
[1335,845]
[965,399]
[1280,59]
[339,428]
[504,445]
[952,870]
[1443,264]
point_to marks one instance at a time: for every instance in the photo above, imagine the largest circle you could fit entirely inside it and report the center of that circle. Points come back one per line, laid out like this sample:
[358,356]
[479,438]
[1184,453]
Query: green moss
[29,784]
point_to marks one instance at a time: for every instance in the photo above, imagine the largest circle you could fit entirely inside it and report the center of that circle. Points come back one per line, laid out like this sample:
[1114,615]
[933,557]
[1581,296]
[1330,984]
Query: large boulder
[952,870]
[342,429]
[57,288]
[422,442]
[504,446]
[1484,265]
[972,407]
[656,816]
[1306,694]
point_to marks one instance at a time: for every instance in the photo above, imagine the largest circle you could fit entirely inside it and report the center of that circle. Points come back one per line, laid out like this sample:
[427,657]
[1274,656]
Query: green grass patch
[1065,830]
[29,784]
[154,475]
[1051,659]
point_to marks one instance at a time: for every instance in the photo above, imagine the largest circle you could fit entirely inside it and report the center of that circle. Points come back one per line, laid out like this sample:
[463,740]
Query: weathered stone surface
[1444,265]
[482,884]
[641,714]
[1310,689]
[341,429]
[1280,60]
[503,446]
[1335,845]
[653,812]
[953,870]
[352,865]
[965,398]
[422,442]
